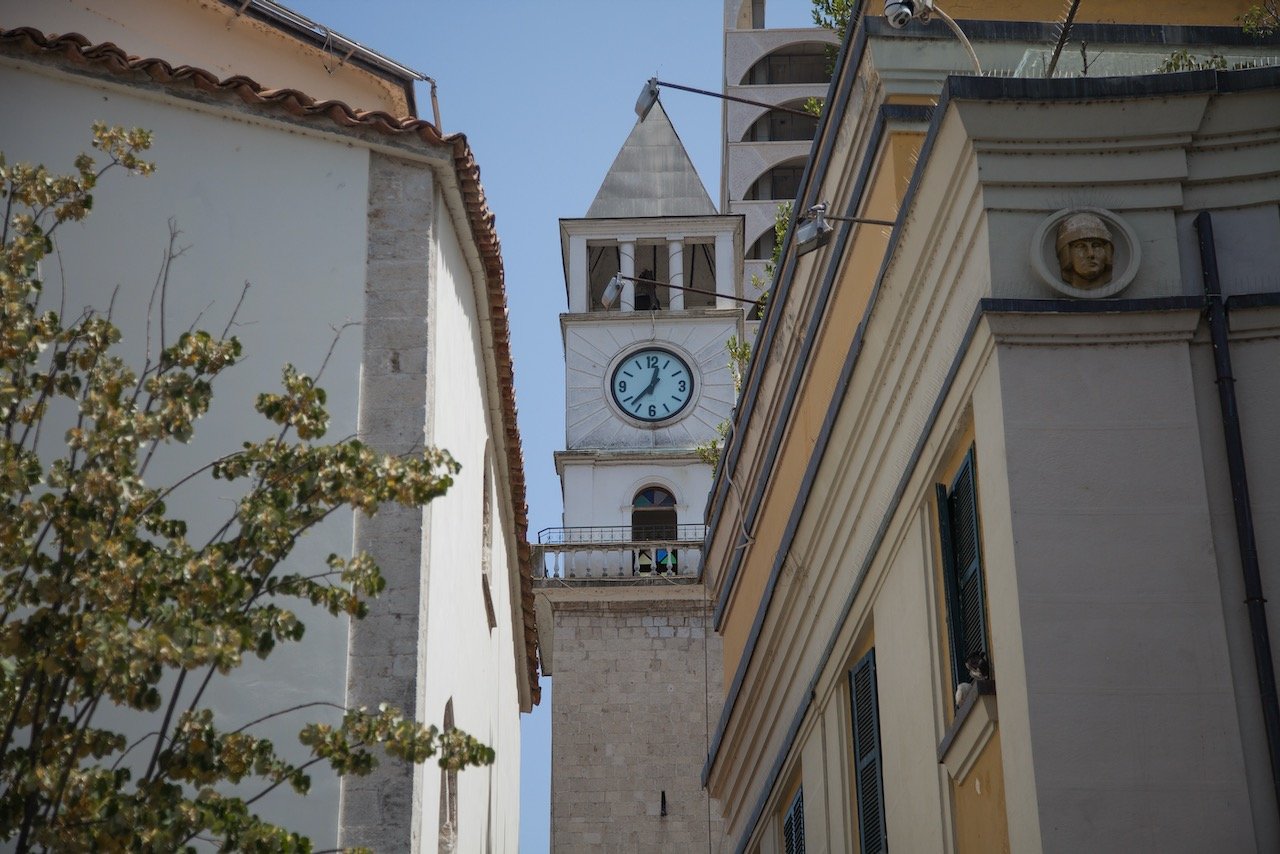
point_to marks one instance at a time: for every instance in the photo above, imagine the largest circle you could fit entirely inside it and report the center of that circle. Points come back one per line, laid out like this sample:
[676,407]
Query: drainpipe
[1216,308]
[435,106]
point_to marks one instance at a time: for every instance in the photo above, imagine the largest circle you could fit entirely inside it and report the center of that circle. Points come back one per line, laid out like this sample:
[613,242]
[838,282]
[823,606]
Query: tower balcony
[619,554]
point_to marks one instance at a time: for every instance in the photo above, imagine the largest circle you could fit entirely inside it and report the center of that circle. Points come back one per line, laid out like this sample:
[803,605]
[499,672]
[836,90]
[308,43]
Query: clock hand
[653,383]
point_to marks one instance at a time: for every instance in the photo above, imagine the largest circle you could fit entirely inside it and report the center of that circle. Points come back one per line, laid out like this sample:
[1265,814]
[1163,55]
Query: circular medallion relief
[1088,253]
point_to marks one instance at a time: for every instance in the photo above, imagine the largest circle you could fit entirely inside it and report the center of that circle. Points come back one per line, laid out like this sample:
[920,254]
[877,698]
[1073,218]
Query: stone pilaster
[382,664]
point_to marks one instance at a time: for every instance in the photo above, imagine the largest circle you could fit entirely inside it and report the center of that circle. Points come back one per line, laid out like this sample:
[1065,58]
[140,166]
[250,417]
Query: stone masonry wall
[382,659]
[629,721]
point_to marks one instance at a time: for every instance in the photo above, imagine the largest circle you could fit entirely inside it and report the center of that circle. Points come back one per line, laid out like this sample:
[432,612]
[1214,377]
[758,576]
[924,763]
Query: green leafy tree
[105,601]
[833,15]
[739,351]
[781,222]
[1261,19]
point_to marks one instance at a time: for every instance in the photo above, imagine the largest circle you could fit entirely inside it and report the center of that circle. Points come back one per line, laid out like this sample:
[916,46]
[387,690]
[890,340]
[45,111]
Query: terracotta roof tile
[77,50]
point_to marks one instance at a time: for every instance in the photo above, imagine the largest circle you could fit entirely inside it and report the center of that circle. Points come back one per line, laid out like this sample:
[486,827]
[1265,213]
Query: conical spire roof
[652,175]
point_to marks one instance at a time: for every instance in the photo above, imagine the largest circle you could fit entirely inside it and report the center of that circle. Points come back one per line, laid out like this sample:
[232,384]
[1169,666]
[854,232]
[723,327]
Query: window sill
[974,724]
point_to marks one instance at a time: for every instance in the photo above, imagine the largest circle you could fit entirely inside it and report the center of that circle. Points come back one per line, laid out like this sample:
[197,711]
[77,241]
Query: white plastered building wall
[289,207]
[461,657]
[297,238]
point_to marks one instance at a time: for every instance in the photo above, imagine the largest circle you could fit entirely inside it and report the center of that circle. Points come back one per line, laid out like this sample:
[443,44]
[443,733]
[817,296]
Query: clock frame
[652,385]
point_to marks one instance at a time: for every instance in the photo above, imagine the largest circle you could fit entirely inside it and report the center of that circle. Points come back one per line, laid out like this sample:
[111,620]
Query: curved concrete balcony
[753,271]
[744,48]
[747,161]
[618,554]
[738,117]
[758,216]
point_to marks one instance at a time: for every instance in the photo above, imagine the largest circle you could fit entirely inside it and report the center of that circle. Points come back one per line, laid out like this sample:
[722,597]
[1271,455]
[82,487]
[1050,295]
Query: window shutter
[954,640]
[868,779]
[793,826]
[962,568]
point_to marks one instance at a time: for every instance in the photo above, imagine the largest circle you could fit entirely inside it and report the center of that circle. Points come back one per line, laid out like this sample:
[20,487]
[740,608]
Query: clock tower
[654,285]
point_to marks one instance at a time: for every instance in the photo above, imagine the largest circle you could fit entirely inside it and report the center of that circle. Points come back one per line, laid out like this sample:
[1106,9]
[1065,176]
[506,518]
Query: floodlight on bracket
[901,12]
[812,230]
[614,288]
[649,97]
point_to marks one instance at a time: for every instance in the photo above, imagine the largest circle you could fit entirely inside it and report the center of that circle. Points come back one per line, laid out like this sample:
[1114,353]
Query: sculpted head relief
[1085,251]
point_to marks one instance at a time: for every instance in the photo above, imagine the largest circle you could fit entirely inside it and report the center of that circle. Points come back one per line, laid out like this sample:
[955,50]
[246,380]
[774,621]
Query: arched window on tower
[653,520]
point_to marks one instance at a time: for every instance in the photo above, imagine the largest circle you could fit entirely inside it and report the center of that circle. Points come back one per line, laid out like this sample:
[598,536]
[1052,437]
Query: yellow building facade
[975,547]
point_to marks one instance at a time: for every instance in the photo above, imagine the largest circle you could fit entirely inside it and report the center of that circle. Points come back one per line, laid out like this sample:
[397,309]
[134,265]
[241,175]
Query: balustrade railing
[618,553]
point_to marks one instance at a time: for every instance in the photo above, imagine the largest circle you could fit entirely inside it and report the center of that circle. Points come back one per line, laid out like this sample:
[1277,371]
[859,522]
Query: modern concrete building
[765,150]
[292,159]
[654,292]
[979,548]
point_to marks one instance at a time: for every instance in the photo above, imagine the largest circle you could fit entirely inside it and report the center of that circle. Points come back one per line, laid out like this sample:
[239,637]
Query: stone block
[407,388]
[396,291]
[394,275]
[397,244]
[395,333]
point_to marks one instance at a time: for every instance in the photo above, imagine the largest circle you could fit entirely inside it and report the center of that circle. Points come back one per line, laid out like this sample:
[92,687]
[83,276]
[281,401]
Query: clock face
[652,384]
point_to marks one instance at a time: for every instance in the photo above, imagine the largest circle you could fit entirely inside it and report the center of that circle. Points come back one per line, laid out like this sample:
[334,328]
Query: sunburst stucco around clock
[592,347]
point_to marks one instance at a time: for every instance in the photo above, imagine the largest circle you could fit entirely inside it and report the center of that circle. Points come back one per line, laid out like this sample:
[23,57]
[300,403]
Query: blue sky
[544,92]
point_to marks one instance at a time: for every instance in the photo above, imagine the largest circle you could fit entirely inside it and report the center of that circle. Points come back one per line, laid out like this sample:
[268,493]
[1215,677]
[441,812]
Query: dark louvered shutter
[868,779]
[793,826]
[962,569]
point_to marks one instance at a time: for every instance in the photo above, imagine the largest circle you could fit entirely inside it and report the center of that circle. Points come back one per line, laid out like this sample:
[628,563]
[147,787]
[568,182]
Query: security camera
[899,12]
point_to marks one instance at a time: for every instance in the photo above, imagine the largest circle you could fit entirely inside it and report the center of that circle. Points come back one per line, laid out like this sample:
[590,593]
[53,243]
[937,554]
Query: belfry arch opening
[651,260]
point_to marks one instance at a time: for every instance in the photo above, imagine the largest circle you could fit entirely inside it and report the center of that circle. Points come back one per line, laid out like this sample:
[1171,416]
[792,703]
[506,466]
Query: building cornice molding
[665,316]
[1173,321]
[647,226]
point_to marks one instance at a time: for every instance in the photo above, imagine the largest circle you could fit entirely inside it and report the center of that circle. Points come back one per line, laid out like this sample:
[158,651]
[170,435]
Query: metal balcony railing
[618,553]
